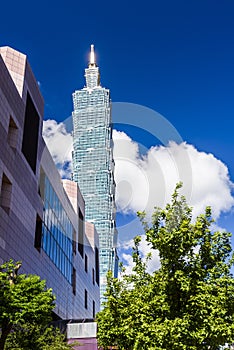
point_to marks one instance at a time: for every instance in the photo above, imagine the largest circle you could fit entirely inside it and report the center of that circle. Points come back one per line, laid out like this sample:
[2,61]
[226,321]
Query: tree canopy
[188,303]
[25,311]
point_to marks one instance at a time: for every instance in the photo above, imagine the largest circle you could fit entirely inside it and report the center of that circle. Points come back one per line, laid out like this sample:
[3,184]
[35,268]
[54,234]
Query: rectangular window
[74,281]
[93,276]
[86,299]
[12,134]
[38,233]
[30,133]
[74,241]
[86,263]
[97,265]
[5,195]
[41,189]
[94,312]
[81,234]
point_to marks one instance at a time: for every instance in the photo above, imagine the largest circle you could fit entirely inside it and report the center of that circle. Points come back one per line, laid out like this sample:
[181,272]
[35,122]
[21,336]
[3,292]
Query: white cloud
[59,143]
[148,181]
[129,174]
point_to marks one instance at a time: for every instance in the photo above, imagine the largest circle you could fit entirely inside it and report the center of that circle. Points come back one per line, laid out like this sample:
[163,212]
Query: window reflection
[57,232]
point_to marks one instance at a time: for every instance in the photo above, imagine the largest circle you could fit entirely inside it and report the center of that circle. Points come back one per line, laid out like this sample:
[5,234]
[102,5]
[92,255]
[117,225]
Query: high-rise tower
[93,164]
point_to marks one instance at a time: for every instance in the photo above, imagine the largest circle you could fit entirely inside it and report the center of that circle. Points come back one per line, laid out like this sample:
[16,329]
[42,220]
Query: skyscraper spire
[92,60]
[92,75]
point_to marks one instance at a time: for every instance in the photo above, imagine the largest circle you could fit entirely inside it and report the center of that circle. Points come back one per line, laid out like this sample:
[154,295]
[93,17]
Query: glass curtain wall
[93,164]
[57,231]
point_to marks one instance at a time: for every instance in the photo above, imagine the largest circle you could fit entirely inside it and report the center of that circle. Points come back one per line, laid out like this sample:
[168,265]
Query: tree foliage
[36,337]
[25,311]
[188,303]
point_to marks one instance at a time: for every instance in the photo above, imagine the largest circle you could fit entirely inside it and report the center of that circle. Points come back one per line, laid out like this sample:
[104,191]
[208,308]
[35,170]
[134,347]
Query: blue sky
[175,57]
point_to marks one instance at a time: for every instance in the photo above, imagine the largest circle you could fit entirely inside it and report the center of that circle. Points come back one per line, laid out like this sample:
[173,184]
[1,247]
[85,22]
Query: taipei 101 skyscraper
[93,164]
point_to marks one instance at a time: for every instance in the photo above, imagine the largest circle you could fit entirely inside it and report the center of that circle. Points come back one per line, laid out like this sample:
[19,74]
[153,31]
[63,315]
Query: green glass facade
[93,164]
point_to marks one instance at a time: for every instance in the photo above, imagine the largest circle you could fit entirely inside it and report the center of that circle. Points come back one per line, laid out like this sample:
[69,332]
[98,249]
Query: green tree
[36,337]
[25,311]
[188,303]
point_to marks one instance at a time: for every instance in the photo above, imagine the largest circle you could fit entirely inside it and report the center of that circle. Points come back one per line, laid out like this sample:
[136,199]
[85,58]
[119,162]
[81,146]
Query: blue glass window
[57,232]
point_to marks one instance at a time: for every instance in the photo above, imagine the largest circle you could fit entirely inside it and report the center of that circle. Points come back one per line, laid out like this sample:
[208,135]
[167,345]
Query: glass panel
[57,232]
